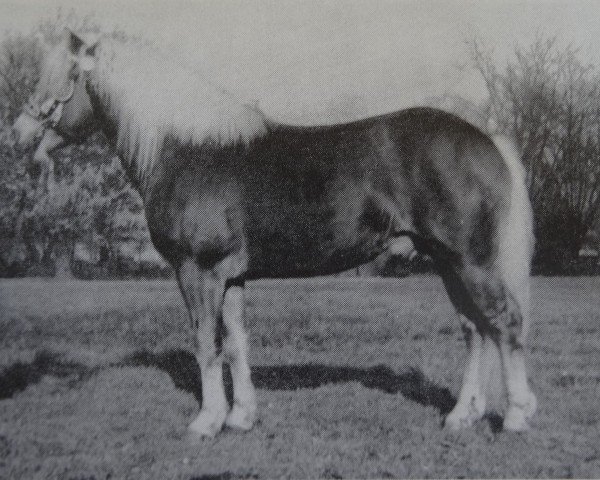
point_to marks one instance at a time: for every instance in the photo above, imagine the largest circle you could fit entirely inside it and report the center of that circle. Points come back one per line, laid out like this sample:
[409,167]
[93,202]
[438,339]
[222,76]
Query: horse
[231,195]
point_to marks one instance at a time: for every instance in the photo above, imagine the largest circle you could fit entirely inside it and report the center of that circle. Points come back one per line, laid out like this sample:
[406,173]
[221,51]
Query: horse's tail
[513,261]
[516,232]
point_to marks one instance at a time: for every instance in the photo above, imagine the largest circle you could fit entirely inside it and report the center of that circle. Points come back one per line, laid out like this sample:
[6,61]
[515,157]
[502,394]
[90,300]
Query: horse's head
[60,108]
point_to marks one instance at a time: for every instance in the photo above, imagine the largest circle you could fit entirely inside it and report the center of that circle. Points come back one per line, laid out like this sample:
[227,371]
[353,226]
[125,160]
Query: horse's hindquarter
[459,185]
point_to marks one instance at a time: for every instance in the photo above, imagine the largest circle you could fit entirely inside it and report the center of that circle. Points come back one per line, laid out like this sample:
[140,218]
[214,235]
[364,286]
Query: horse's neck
[138,119]
[110,125]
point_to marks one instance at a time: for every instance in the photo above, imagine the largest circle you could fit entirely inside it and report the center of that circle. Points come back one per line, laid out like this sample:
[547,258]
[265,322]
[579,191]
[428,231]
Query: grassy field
[98,380]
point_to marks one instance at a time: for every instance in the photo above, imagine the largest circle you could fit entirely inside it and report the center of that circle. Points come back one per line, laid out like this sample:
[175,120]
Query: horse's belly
[281,260]
[308,240]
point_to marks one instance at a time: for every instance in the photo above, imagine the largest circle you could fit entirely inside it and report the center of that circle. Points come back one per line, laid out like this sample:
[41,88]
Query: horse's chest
[193,217]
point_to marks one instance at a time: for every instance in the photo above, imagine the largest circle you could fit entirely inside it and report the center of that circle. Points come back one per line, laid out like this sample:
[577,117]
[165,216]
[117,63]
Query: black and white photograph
[299,239]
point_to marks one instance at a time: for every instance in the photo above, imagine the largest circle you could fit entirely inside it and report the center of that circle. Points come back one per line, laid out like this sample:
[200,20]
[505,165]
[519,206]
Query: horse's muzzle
[26,129]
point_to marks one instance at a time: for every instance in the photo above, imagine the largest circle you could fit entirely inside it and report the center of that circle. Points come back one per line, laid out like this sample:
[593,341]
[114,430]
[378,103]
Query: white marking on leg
[492,380]
[203,297]
[522,403]
[212,416]
[243,413]
[471,400]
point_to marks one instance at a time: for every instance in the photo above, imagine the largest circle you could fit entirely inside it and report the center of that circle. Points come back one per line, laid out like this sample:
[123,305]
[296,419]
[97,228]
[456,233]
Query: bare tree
[549,99]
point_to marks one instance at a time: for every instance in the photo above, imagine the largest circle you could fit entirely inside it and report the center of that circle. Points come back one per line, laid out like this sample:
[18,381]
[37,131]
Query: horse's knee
[507,324]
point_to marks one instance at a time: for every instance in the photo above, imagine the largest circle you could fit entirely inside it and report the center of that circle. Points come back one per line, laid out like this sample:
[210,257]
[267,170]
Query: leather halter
[50,111]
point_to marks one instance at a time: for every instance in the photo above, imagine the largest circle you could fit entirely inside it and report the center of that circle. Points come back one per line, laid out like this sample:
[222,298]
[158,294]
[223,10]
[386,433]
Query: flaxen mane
[150,97]
[153,97]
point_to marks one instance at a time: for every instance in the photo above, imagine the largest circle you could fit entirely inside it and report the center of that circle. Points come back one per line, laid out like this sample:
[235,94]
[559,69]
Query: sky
[323,61]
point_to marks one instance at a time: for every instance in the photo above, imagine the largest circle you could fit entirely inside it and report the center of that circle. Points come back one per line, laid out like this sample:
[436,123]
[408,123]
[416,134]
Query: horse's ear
[90,50]
[73,41]
[87,60]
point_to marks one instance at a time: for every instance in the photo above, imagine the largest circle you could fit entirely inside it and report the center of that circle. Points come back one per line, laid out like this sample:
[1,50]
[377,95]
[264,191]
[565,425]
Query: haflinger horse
[232,195]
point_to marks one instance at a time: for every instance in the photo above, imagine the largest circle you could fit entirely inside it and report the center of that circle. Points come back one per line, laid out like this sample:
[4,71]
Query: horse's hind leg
[498,323]
[471,403]
[521,400]
[203,294]
[503,298]
[243,413]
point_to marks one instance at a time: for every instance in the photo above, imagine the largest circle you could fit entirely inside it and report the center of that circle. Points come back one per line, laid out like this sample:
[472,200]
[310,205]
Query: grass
[98,380]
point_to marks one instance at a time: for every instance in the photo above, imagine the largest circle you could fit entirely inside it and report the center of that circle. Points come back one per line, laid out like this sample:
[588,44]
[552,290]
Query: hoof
[463,416]
[458,422]
[241,418]
[518,415]
[515,422]
[206,425]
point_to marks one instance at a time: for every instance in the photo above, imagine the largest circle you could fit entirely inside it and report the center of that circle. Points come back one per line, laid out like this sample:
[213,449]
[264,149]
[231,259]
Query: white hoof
[241,417]
[206,425]
[518,415]
[464,415]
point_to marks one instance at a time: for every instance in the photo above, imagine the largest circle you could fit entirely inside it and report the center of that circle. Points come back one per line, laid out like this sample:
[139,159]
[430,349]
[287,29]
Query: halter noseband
[50,111]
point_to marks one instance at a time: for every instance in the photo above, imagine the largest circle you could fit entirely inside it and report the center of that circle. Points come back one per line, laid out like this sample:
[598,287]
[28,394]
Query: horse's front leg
[243,413]
[203,293]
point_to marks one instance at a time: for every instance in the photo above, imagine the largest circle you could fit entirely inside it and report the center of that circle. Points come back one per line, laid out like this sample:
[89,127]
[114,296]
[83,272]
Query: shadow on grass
[180,365]
[19,375]
[226,476]
[184,371]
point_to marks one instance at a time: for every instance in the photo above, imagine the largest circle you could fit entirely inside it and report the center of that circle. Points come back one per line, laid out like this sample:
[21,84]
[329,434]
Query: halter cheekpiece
[51,110]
